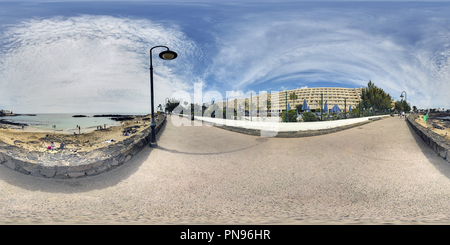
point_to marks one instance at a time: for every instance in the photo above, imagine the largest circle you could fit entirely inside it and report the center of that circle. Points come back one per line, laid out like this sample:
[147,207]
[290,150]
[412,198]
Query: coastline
[115,121]
[83,155]
[443,131]
[58,131]
[91,138]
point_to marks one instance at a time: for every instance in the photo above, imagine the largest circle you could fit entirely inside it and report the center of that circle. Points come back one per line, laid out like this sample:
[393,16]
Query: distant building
[5,111]
[342,97]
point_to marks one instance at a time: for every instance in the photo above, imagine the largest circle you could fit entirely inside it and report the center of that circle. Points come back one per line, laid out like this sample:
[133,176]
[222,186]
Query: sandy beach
[428,124]
[90,138]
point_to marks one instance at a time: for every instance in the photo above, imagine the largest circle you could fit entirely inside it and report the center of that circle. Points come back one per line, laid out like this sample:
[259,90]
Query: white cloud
[343,45]
[90,64]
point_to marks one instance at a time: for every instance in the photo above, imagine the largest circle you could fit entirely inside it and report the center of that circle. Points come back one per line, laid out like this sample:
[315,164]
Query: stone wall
[438,143]
[73,164]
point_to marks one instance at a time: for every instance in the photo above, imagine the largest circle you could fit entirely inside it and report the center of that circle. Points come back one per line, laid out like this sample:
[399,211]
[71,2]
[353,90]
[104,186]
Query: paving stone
[32,168]
[21,170]
[92,172]
[114,162]
[48,172]
[10,164]
[97,164]
[36,174]
[80,167]
[60,175]
[75,174]
[127,158]
[102,168]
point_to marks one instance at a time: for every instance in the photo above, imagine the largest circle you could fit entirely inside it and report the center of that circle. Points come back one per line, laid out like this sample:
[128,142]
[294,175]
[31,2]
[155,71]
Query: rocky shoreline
[64,163]
[118,117]
[3,121]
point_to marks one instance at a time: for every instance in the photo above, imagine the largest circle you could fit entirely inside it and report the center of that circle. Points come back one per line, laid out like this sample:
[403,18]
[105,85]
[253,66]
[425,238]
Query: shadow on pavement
[260,140]
[438,162]
[83,184]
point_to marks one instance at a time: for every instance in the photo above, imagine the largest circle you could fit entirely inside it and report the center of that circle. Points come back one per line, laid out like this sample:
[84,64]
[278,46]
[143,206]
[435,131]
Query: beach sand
[89,139]
[430,121]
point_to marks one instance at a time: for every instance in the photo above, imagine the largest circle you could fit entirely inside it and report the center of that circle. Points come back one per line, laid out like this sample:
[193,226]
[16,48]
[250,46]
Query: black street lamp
[406,102]
[401,95]
[165,55]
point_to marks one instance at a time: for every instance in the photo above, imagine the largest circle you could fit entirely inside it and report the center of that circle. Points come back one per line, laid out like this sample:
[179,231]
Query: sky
[93,57]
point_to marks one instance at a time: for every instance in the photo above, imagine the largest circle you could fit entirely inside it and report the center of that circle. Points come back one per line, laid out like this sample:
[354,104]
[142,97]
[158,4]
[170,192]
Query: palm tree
[293,97]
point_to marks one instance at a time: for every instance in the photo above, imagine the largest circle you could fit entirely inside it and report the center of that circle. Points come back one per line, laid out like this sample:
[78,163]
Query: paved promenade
[380,172]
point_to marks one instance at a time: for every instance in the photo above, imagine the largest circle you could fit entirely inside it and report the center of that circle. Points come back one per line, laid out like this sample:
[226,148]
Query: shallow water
[62,121]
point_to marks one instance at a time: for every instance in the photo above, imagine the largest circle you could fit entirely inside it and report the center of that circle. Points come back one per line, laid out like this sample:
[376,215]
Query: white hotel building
[313,96]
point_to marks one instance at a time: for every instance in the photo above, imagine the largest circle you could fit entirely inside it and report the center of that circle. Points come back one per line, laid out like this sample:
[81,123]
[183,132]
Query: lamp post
[406,102]
[165,55]
[286,107]
[401,95]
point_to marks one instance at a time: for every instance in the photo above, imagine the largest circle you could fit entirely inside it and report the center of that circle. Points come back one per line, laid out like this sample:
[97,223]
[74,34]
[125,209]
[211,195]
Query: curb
[292,134]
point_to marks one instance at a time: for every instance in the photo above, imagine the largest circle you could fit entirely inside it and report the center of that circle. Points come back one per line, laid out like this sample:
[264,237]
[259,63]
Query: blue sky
[93,57]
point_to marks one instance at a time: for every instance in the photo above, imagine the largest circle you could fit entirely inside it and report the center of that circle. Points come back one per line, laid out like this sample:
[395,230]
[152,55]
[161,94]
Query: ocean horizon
[64,121]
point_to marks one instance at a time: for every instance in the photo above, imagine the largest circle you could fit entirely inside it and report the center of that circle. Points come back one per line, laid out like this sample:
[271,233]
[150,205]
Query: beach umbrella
[326,107]
[305,106]
[335,108]
[350,108]
[288,108]
[308,109]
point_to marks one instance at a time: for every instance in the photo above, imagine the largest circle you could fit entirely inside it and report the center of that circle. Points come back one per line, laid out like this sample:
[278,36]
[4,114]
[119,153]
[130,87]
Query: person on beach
[53,145]
[43,143]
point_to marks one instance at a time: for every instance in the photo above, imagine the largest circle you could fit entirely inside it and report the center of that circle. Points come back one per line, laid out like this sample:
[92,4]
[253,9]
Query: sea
[63,121]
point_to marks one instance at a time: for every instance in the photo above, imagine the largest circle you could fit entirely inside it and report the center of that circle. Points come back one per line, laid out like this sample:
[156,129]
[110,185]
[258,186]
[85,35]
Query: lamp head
[168,55]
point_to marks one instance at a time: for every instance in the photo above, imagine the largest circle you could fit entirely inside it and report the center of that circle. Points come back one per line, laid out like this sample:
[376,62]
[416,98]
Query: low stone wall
[73,164]
[293,133]
[436,142]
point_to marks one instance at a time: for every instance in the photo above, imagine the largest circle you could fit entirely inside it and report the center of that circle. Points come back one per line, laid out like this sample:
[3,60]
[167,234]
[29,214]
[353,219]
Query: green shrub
[309,117]
[292,116]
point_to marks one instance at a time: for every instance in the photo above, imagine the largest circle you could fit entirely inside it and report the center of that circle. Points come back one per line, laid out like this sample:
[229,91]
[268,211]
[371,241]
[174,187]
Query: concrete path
[380,172]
